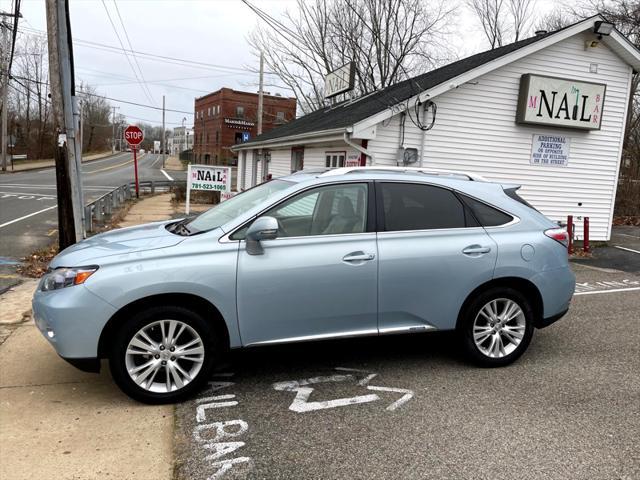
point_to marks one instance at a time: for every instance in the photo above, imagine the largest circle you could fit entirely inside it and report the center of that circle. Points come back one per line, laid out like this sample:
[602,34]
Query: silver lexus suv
[316,255]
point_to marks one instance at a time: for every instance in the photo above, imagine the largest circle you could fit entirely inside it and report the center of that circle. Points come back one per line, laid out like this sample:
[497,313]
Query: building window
[297,159]
[217,137]
[240,111]
[217,109]
[238,137]
[209,112]
[334,159]
[280,117]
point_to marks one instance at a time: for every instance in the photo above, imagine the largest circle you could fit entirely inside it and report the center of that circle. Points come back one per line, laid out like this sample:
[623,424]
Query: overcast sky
[208,31]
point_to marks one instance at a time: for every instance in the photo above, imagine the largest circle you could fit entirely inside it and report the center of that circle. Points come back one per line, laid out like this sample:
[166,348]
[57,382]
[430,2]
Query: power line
[102,96]
[16,15]
[152,56]
[115,30]
[126,34]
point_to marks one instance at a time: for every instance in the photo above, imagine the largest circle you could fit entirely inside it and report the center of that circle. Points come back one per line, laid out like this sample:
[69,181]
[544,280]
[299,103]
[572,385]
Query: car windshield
[236,206]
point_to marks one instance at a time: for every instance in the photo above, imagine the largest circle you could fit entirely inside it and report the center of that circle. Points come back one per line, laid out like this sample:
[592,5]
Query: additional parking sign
[207,178]
[245,137]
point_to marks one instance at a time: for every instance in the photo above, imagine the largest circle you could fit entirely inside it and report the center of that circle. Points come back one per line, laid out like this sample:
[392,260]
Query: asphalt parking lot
[409,407]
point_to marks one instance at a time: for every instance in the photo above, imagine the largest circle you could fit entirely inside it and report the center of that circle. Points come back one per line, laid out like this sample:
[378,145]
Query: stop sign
[133,135]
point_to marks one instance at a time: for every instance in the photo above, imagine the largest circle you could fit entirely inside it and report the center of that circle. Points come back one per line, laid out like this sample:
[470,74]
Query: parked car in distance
[316,255]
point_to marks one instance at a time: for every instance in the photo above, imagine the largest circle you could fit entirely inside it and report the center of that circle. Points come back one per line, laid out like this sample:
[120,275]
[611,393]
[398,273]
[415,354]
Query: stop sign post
[134,136]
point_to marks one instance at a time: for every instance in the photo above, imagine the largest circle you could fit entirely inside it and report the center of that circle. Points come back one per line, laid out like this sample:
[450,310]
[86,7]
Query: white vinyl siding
[475,130]
[280,165]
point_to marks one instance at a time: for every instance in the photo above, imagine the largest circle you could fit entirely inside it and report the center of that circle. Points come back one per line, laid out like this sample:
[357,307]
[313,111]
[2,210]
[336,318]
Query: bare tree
[96,110]
[503,21]
[521,11]
[491,15]
[554,20]
[388,40]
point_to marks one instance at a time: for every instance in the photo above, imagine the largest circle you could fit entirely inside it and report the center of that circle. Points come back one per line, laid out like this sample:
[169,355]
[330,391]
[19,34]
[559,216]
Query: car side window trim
[380,209]
[370,226]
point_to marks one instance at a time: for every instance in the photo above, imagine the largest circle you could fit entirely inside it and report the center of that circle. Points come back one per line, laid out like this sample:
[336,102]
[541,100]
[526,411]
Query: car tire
[496,327]
[163,354]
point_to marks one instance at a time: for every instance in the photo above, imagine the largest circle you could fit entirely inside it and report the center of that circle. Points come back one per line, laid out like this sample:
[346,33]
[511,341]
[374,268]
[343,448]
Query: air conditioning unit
[407,156]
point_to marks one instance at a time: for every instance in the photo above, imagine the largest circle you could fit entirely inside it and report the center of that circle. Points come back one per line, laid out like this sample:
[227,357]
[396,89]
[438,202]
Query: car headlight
[65,277]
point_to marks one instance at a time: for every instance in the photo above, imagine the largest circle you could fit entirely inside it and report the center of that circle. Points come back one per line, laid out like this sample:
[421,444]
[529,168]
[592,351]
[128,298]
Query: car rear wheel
[163,354]
[496,327]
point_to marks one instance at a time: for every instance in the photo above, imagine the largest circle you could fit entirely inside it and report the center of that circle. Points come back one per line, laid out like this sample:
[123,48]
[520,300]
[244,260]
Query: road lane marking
[20,195]
[27,216]
[627,249]
[166,174]
[593,292]
[627,235]
[109,168]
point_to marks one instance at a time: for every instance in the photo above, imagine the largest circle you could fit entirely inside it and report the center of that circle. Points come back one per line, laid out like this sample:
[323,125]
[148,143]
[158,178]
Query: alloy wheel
[164,356]
[499,328]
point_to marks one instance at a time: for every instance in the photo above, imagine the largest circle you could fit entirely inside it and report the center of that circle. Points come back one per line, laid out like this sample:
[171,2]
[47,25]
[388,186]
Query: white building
[182,140]
[547,113]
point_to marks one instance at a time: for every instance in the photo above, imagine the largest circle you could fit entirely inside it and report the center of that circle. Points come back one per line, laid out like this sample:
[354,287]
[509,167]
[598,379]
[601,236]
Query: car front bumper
[72,319]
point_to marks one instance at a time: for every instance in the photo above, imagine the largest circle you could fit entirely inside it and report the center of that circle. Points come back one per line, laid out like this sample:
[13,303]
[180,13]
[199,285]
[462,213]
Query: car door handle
[358,257]
[476,250]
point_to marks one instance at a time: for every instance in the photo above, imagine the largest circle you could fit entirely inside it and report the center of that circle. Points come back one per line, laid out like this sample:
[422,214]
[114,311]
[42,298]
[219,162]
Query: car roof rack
[427,171]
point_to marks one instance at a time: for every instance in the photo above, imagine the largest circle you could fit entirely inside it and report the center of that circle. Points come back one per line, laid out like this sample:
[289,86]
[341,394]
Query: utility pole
[162,145]
[261,94]
[66,118]
[113,131]
[262,156]
[4,73]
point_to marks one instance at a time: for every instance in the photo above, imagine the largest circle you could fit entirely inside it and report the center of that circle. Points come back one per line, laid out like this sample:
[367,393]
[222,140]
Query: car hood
[122,241]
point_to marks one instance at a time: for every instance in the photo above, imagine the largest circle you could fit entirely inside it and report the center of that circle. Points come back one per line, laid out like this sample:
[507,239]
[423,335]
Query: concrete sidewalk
[23,166]
[173,163]
[58,422]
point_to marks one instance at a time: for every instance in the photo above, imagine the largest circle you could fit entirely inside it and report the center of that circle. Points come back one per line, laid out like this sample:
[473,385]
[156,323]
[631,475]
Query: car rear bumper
[545,322]
[556,287]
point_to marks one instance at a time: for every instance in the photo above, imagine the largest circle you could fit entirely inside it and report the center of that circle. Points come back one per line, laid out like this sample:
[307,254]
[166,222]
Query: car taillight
[559,235]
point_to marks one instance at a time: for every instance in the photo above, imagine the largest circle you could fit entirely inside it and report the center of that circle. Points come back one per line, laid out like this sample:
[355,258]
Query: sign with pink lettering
[560,102]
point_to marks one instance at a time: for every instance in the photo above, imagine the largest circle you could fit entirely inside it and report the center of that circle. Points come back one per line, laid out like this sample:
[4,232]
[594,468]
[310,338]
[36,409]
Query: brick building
[225,117]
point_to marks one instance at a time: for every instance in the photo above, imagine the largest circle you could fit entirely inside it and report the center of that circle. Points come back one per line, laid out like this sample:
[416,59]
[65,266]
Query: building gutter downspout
[347,139]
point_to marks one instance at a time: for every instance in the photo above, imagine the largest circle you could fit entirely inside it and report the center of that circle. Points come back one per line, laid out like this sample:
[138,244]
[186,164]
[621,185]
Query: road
[408,407]
[28,212]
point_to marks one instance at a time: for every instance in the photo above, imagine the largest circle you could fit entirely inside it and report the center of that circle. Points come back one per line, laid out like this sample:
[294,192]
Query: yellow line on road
[52,232]
[111,167]
[115,166]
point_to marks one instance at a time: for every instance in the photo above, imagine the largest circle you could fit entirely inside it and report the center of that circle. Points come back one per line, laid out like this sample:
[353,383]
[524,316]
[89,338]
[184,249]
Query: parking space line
[166,174]
[27,216]
[607,291]
[627,249]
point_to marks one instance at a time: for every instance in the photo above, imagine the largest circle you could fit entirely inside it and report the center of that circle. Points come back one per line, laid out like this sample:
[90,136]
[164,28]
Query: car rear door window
[487,216]
[412,206]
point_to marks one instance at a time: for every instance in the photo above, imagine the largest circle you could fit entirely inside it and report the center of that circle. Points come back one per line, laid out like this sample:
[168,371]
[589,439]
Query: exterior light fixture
[602,28]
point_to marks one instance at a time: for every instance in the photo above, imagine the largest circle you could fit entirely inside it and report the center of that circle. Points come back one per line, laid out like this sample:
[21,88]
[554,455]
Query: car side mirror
[264,228]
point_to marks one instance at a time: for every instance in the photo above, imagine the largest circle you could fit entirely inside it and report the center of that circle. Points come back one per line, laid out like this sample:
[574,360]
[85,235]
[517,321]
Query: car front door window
[330,210]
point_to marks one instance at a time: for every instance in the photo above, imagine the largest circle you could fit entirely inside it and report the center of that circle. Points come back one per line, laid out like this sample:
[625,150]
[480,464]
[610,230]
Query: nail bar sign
[560,102]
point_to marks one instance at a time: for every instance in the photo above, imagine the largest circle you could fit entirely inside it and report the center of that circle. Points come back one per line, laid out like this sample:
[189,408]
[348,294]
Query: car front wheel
[497,327]
[163,354]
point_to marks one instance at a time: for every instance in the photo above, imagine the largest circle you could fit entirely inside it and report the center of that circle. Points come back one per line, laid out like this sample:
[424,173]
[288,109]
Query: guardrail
[104,206]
